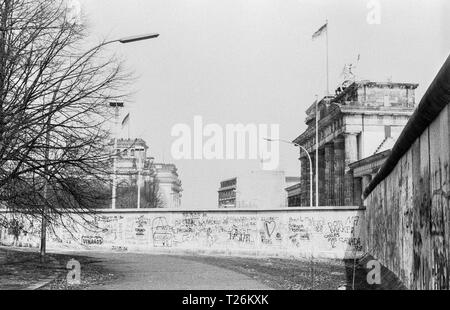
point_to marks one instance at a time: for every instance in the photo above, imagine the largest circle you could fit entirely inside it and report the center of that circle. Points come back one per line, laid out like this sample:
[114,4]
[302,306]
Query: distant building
[292,181]
[257,189]
[134,170]
[169,185]
[353,124]
[131,154]
[159,184]
[294,194]
[227,193]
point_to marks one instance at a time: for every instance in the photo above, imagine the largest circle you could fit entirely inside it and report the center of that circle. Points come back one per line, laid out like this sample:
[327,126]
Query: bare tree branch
[54,95]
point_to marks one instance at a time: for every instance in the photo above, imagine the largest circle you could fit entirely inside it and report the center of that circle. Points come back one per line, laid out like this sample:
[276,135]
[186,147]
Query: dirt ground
[21,268]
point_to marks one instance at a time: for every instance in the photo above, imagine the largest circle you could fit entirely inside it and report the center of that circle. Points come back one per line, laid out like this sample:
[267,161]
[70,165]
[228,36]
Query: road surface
[162,272]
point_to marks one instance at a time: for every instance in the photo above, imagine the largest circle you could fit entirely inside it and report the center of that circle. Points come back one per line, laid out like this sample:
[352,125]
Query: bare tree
[153,196]
[53,105]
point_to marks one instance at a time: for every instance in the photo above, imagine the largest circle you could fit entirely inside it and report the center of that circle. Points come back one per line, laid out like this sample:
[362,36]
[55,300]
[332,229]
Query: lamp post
[310,164]
[317,141]
[137,38]
[139,166]
[310,196]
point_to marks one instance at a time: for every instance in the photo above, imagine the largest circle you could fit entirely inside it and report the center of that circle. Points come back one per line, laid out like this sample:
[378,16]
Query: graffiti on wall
[162,232]
[204,229]
[92,240]
[296,232]
[342,232]
[299,230]
[270,232]
[141,222]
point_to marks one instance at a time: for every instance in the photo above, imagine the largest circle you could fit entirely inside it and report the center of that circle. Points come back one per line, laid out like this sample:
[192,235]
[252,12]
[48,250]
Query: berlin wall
[294,232]
[408,202]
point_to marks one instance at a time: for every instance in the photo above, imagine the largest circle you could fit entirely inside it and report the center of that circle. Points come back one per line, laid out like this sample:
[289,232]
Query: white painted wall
[294,232]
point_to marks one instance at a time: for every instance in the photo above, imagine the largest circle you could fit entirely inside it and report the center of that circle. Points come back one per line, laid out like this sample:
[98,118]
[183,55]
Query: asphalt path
[162,272]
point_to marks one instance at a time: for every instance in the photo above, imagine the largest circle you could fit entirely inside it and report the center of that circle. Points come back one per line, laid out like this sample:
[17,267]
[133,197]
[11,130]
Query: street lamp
[138,38]
[310,195]
[310,164]
[139,167]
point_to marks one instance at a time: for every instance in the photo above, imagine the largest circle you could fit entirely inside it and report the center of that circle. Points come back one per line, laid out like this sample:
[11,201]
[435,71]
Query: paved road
[161,272]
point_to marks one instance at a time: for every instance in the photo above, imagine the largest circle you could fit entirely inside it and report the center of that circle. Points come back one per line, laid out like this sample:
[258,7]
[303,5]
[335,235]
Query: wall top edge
[237,210]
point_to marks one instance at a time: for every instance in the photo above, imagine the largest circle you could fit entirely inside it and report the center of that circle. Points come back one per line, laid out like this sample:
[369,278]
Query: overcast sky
[253,61]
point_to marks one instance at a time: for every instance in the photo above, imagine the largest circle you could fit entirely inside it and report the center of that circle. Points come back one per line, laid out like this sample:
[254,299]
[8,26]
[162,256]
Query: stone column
[339,161]
[305,182]
[348,188]
[313,159]
[357,189]
[322,194]
[351,155]
[329,174]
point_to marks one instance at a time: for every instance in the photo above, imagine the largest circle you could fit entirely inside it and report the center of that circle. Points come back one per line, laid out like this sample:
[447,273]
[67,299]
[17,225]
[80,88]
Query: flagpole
[317,151]
[328,80]
[316,34]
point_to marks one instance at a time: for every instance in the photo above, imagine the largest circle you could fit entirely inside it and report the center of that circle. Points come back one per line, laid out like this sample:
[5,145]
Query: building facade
[170,187]
[294,195]
[134,174]
[141,183]
[353,124]
[364,171]
[227,193]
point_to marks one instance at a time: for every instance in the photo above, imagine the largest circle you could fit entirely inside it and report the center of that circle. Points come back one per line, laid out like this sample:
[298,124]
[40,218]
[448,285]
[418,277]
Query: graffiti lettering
[91,240]
[162,232]
[241,236]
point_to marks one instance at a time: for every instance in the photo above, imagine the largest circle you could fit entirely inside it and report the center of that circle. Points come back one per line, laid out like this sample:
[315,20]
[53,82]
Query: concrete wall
[408,212]
[294,232]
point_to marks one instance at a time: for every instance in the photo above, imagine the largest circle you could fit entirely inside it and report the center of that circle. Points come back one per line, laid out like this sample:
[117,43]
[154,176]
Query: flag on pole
[126,120]
[317,34]
[321,31]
